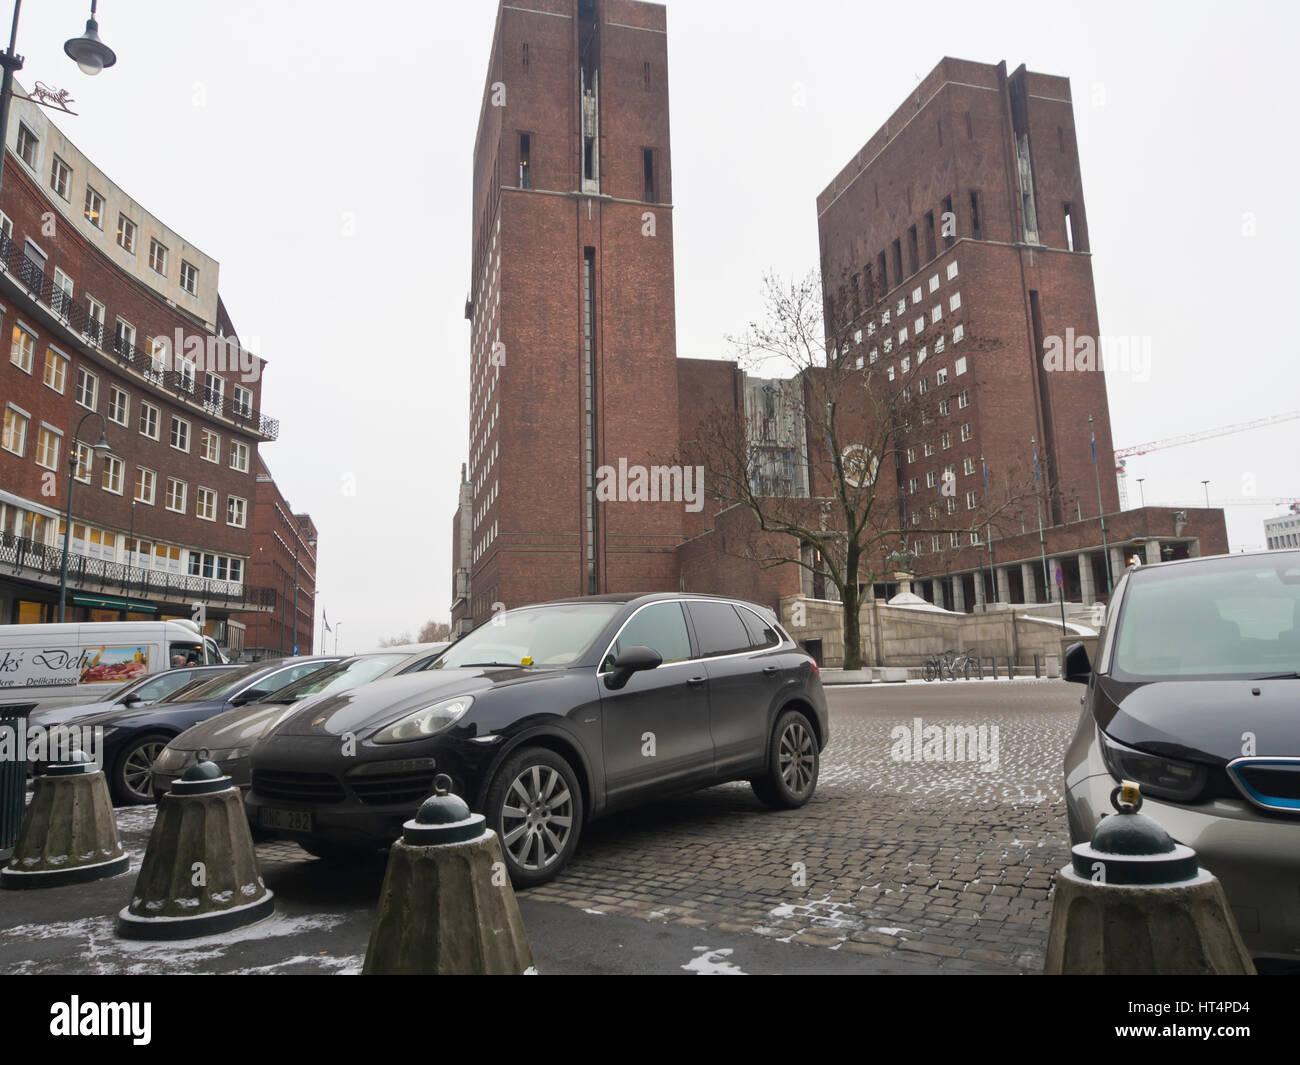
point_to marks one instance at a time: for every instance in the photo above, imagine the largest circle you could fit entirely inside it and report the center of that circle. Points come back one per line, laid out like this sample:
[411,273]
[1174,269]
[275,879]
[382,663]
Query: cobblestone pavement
[904,859]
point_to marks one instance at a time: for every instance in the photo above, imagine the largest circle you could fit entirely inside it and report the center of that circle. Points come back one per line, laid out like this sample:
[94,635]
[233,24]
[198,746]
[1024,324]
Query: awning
[106,603]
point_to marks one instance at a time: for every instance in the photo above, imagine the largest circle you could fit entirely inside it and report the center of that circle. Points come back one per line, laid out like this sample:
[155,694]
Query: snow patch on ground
[708,962]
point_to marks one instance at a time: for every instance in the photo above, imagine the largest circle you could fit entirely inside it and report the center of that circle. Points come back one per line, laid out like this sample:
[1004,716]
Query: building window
[951,506]
[176,494]
[60,177]
[525,160]
[648,172]
[47,447]
[938,346]
[963,399]
[911,454]
[975,539]
[123,338]
[966,432]
[157,256]
[84,459]
[125,233]
[239,456]
[954,301]
[975,228]
[23,349]
[931,479]
[890,373]
[243,401]
[961,363]
[914,485]
[944,407]
[958,331]
[236,511]
[180,434]
[87,393]
[28,143]
[968,466]
[206,508]
[941,375]
[94,330]
[189,278]
[952,269]
[919,325]
[111,479]
[56,370]
[15,438]
[119,406]
[149,415]
[209,446]
[936,313]
[923,385]
[945,440]
[145,481]
[929,449]
[94,210]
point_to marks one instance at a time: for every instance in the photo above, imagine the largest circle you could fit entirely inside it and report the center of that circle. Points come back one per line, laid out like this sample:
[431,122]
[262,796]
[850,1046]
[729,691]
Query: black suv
[551,715]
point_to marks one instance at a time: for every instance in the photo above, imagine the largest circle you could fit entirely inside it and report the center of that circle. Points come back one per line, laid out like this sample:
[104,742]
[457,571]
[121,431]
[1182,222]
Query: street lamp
[1141,493]
[1206,486]
[90,53]
[73,456]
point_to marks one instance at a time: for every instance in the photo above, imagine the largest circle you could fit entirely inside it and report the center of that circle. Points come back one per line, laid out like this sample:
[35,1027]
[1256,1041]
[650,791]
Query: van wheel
[535,806]
[132,779]
[793,765]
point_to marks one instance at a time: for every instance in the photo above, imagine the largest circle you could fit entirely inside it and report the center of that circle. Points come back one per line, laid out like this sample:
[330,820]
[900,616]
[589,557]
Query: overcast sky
[321,153]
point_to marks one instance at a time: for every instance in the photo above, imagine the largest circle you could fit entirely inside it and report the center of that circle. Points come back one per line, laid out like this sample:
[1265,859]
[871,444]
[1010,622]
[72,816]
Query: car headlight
[1161,778]
[173,761]
[426,722]
[229,754]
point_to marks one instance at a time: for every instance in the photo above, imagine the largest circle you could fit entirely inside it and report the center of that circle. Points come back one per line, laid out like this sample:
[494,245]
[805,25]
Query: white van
[44,666]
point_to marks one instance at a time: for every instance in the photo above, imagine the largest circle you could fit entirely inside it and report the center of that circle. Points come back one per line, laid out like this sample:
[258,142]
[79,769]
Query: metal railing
[79,320]
[27,558]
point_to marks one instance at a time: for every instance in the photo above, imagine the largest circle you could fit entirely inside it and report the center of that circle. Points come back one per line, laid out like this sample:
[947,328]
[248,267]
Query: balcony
[24,559]
[90,331]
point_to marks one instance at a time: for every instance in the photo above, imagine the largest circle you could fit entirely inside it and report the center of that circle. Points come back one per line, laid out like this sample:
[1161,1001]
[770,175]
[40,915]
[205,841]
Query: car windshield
[535,636]
[338,678]
[215,687]
[1235,617]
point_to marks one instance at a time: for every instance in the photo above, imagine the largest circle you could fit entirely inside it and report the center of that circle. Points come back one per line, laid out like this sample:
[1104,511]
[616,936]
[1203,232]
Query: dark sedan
[132,738]
[549,716]
[1194,696]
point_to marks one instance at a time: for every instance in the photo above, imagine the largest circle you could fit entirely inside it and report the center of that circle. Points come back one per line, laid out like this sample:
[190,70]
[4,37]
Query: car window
[661,627]
[1231,617]
[761,634]
[163,684]
[719,629]
[275,682]
[338,678]
[188,653]
[215,687]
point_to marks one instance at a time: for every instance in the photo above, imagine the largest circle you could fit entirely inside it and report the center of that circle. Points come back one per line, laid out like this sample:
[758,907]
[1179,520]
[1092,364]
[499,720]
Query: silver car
[1196,696]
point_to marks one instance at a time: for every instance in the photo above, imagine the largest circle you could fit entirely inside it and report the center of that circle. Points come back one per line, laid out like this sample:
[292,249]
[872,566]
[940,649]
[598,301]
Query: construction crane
[1124,453]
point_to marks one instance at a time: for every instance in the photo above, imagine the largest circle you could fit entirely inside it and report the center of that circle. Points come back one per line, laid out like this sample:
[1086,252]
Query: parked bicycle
[949,664]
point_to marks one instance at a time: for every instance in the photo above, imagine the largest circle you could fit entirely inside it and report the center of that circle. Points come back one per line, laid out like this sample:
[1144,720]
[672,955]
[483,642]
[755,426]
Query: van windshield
[185,653]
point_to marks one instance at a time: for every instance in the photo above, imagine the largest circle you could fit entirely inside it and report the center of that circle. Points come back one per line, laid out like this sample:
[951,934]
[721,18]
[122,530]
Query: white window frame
[204,437]
[78,390]
[184,425]
[57,435]
[170,495]
[26,419]
[153,485]
[63,375]
[113,464]
[205,494]
[156,246]
[146,407]
[113,393]
[240,505]
[59,168]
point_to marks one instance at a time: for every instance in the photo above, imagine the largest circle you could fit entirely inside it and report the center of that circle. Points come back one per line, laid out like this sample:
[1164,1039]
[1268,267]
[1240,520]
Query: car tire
[534,805]
[131,782]
[793,764]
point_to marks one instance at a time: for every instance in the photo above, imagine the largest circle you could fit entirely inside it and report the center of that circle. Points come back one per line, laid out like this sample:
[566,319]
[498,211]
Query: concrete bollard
[1134,902]
[199,874]
[69,834]
[447,907]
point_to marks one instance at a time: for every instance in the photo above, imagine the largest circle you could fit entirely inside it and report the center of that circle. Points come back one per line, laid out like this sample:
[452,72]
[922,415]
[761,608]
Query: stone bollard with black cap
[199,874]
[447,907]
[69,834]
[1134,902]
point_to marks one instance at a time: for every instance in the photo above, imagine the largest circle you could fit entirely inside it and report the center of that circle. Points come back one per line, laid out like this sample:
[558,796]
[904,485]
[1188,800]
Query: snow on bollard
[69,834]
[199,874]
[447,907]
[1135,902]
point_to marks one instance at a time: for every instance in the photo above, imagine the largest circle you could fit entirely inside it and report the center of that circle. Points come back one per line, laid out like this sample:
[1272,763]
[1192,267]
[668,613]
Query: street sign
[1059,579]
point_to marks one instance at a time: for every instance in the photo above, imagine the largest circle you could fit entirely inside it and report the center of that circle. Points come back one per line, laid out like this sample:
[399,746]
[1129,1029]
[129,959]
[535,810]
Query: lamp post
[73,454]
[337,625]
[90,54]
[1206,486]
[1142,496]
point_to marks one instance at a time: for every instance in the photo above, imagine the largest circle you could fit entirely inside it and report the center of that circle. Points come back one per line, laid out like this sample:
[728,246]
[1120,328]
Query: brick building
[114,324]
[571,305]
[954,248]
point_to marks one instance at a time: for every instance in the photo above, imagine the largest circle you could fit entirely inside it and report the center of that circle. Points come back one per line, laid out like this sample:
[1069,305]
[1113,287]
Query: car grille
[297,787]
[393,788]
[1270,782]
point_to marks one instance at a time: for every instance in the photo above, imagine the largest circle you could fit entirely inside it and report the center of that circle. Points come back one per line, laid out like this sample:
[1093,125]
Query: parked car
[71,663]
[135,694]
[133,738]
[228,737]
[549,716]
[1194,696]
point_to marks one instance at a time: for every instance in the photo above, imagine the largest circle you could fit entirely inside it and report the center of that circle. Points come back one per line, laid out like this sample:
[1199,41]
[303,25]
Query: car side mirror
[250,696]
[1078,670]
[632,660]
[131,698]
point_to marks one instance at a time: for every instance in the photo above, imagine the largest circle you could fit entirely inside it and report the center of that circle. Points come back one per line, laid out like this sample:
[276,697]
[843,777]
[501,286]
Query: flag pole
[1042,543]
[988,531]
[1105,548]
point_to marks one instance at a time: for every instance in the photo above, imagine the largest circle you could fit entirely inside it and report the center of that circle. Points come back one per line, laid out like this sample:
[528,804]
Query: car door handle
[771,671]
[695,682]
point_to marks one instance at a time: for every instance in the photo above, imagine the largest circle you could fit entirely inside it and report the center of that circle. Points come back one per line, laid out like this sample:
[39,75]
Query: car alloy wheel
[135,769]
[797,757]
[537,817]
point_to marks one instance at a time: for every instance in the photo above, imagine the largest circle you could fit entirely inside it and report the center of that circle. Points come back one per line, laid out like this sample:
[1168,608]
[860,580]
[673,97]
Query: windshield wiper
[1278,676]
[506,665]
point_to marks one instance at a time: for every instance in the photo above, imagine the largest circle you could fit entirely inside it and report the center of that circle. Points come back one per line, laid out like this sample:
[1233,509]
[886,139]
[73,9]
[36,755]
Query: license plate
[288,820]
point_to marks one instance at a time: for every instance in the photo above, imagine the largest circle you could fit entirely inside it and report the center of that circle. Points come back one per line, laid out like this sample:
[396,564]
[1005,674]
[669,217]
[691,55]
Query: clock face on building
[860,465]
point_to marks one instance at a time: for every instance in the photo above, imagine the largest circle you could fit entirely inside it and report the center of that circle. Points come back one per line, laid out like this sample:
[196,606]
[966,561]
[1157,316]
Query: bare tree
[434,632]
[866,422]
